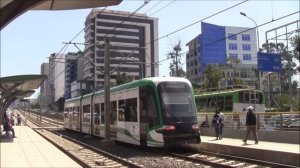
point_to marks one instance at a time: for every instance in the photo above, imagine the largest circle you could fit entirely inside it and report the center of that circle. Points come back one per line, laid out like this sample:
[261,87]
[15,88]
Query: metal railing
[265,120]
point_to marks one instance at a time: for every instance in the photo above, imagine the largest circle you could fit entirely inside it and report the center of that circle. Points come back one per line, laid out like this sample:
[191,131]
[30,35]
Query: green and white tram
[158,111]
[230,99]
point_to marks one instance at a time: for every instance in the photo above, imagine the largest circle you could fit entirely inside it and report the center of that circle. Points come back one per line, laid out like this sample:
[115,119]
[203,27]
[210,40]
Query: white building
[132,47]
[56,76]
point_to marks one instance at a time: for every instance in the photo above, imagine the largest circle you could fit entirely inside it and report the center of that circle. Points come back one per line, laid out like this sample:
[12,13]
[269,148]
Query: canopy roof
[18,87]
[10,9]
[20,83]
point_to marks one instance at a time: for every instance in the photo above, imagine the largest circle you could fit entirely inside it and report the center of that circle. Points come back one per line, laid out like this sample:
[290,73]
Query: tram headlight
[166,128]
[195,127]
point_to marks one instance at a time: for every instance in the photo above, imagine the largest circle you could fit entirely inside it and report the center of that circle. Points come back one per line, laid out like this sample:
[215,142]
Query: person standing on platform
[221,124]
[19,119]
[9,125]
[251,125]
[216,122]
[12,119]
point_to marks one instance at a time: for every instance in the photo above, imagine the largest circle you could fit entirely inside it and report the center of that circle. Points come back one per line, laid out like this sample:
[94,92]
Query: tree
[212,76]
[176,63]
[288,67]
[295,42]
[235,62]
[121,79]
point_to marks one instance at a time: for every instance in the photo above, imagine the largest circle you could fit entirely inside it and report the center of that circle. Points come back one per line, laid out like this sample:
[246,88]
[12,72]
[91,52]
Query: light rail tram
[156,112]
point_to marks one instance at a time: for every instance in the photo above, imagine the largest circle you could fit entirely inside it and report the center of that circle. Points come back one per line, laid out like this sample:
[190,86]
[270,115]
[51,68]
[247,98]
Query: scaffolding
[282,34]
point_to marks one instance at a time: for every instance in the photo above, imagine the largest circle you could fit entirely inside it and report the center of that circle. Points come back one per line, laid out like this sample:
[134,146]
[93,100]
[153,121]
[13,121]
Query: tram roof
[223,92]
[141,82]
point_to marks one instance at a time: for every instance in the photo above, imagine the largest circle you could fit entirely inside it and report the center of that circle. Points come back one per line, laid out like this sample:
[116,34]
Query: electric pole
[106,90]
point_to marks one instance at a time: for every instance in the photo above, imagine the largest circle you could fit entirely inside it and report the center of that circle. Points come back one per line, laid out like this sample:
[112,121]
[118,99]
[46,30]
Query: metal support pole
[107,90]
[143,66]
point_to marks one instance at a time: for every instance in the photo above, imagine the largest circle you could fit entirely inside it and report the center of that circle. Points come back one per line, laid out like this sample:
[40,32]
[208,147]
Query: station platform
[284,153]
[29,149]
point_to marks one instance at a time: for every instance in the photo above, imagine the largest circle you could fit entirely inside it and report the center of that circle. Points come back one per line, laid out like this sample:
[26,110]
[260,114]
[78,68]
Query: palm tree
[236,79]
[212,76]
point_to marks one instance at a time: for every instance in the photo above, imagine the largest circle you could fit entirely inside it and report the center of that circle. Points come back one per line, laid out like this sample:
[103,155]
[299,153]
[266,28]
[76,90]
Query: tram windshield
[176,100]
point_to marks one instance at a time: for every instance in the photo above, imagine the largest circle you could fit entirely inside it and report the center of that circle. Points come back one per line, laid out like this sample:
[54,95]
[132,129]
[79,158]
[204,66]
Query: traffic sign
[269,62]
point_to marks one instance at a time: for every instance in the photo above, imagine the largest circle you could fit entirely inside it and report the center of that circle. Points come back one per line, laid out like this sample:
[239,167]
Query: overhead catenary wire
[221,39]
[210,17]
[197,21]
[175,30]
[63,48]
[139,8]
[163,7]
[263,24]
[154,6]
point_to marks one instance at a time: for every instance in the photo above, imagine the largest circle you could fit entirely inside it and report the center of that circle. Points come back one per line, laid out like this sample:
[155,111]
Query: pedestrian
[19,119]
[251,125]
[12,119]
[221,124]
[216,122]
[9,125]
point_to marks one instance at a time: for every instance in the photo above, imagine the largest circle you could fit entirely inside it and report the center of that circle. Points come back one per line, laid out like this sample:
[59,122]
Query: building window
[246,47]
[233,56]
[246,37]
[232,46]
[196,72]
[232,36]
[246,56]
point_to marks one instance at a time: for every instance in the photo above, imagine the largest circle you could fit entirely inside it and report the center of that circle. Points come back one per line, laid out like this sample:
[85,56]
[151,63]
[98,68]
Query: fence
[265,120]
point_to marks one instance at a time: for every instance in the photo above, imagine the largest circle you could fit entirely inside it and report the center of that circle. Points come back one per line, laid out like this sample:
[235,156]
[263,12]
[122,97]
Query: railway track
[85,155]
[45,122]
[88,154]
[227,161]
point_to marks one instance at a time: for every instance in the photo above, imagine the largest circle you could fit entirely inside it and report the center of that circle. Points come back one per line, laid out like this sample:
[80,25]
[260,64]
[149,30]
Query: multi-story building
[218,45]
[45,86]
[56,76]
[72,72]
[133,48]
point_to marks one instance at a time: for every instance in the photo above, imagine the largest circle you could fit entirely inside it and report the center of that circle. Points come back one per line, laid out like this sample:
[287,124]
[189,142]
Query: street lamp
[259,74]
[242,13]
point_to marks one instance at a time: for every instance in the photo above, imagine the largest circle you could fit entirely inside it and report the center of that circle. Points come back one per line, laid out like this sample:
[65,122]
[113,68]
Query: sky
[29,39]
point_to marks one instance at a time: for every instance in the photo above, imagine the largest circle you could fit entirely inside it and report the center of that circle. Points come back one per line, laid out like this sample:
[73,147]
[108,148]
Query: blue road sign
[268,62]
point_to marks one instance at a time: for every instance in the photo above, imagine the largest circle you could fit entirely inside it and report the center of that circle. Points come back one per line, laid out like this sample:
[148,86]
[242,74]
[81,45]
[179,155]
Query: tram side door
[132,119]
[143,116]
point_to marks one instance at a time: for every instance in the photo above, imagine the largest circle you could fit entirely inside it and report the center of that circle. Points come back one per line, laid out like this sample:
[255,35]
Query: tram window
[228,103]
[97,113]
[121,110]
[260,98]
[86,113]
[113,112]
[220,103]
[102,113]
[202,104]
[132,109]
[151,107]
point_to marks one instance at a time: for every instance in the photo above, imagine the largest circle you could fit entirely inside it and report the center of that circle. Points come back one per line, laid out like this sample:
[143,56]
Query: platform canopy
[17,87]
[11,9]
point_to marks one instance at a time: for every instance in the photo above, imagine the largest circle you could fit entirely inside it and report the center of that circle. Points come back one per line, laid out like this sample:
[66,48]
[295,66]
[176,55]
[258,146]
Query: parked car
[295,126]
[274,122]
